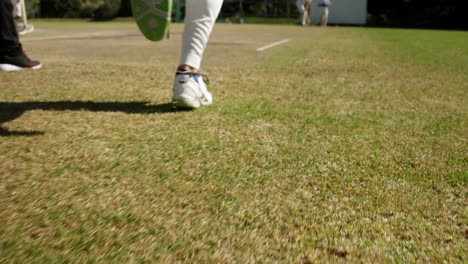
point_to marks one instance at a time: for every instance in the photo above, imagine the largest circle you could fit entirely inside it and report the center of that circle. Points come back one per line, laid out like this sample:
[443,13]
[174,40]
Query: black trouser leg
[9,41]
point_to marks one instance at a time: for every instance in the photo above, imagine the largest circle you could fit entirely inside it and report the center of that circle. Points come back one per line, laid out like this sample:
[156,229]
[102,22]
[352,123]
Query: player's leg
[304,15]
[18,15]
[200,18]
[12,57]
[190,90]
[307,12]
[300,8]
[16,9]
[23,11]
[325,16]
[28,28]
[9,41]
[21,19]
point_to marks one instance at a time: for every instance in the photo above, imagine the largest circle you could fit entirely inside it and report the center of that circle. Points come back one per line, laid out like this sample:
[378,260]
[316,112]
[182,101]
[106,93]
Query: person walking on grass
[153,19]
[304,10]
[12,56]
[324,5]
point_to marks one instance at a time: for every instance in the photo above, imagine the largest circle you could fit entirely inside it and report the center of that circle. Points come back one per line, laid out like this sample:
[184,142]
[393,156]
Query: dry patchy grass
[345,144]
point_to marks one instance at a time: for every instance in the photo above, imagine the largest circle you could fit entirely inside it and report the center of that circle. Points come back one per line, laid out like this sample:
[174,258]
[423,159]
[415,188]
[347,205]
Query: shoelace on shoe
[206,95]
[205,78]
[195,75]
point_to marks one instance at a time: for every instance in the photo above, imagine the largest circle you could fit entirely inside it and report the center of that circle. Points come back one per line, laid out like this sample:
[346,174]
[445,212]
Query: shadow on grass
[11,111]
[8,133]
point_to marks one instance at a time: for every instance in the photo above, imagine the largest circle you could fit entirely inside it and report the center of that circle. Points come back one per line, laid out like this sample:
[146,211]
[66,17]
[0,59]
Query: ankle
[185,67]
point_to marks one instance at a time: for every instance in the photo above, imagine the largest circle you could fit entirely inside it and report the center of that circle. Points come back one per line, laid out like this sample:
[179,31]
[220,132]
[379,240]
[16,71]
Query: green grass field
[344,144]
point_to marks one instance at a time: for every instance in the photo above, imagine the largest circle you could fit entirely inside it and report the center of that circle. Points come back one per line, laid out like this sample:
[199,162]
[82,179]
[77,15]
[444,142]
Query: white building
[352,12]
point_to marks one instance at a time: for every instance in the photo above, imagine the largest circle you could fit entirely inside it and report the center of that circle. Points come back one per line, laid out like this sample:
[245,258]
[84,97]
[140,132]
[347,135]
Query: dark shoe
[18,62]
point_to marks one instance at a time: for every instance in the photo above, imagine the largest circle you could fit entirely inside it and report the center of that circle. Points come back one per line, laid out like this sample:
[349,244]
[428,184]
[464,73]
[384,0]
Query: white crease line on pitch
[65,36]
[269,46]
[95,35]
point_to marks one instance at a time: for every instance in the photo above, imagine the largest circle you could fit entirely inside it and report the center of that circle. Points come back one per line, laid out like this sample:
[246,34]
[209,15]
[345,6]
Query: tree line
[448,14]
[386,13]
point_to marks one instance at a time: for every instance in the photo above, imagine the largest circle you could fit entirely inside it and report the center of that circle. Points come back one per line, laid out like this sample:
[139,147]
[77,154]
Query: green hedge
[32,8]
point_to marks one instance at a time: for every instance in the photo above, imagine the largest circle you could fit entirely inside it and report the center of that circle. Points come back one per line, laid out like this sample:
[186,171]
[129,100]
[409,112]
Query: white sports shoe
[190,91]
[25,29]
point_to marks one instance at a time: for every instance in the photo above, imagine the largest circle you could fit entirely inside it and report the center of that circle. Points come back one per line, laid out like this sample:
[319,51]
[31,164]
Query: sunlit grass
[343,144]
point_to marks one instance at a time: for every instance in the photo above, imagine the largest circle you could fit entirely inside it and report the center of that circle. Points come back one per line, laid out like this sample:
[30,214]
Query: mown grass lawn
[344,144]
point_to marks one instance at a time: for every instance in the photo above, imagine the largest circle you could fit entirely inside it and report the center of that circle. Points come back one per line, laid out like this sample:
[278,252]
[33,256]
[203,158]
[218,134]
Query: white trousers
[324,19]
[17,10]
[200,16]
[303,13]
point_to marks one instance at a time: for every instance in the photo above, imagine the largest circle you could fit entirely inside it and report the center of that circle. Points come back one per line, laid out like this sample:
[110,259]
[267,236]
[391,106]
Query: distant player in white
[324,5]
[304,10]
